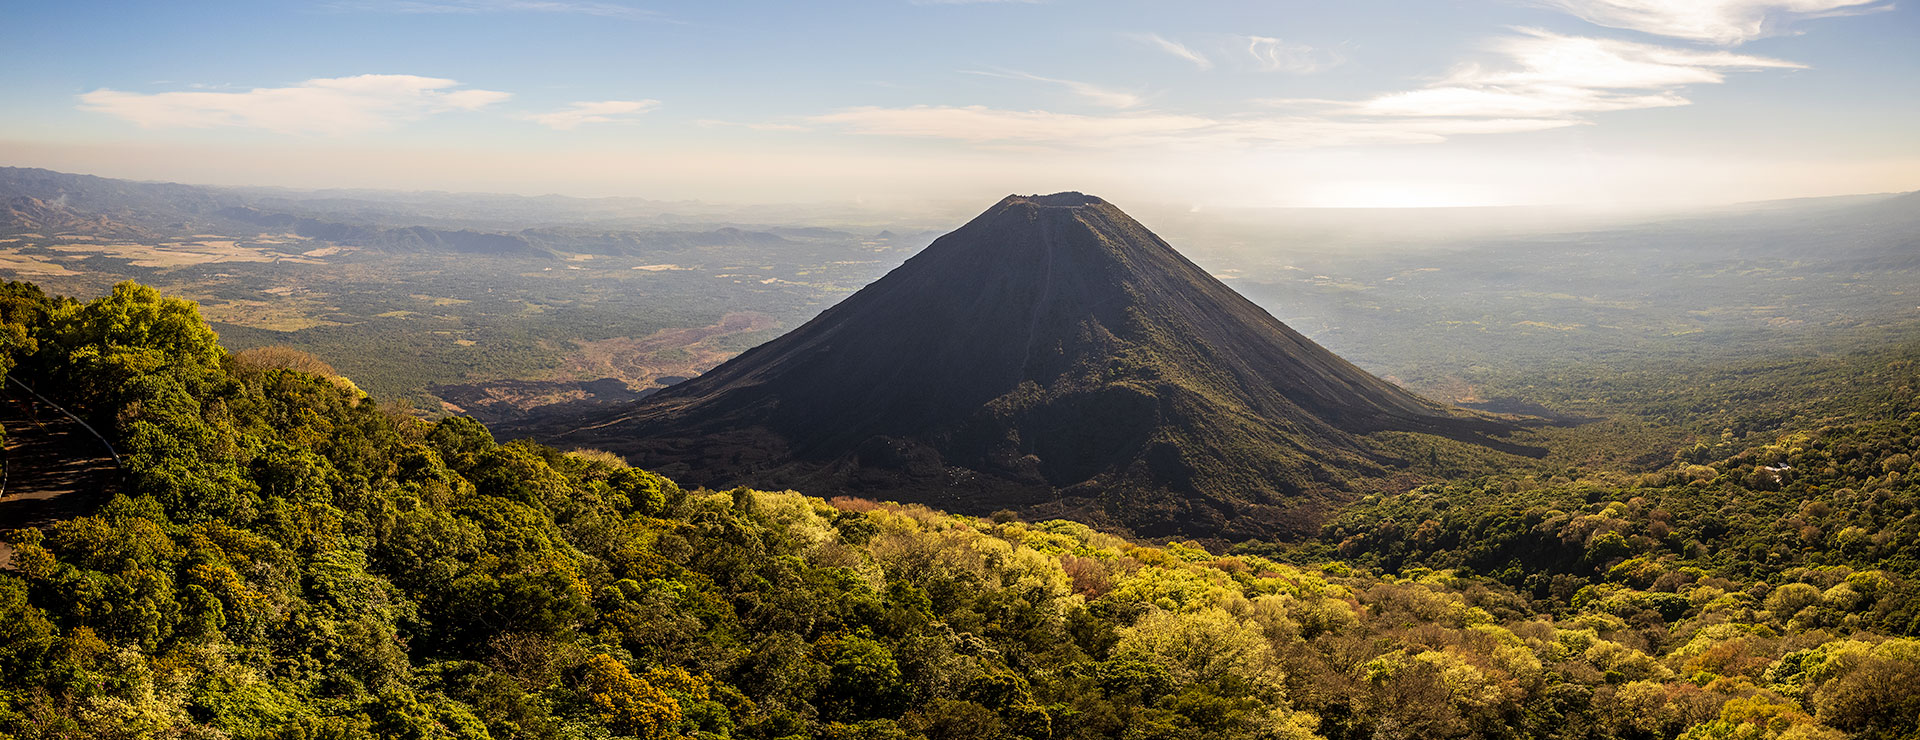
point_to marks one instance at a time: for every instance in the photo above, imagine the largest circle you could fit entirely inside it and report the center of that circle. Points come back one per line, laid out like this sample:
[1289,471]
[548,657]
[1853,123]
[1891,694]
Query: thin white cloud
[602,111]
[328,106]
[1175,48]
[982,125]
[1724,22]
[1095,94]
[1556,76]
[467,7]
[1276,55]
[751,125]
[1535,102]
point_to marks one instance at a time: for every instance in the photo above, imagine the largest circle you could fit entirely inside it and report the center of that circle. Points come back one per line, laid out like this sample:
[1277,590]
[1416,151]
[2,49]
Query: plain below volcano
[1052,356]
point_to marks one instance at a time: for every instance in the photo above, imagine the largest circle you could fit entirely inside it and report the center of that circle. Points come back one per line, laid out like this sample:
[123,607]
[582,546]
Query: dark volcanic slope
[1050,354]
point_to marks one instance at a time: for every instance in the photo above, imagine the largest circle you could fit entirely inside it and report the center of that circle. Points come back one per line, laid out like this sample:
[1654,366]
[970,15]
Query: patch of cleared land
[181,254]
[14,263]
[280,314]
[641,362]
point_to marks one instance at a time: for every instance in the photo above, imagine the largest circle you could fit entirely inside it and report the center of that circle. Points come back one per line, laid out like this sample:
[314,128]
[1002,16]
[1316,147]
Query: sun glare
[1396,195]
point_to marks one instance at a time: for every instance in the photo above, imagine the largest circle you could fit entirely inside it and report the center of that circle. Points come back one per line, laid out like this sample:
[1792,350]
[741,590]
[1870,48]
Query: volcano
[1051,356]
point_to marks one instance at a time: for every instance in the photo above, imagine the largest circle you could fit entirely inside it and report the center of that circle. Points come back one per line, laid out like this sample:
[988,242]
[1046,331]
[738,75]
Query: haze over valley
[501,305]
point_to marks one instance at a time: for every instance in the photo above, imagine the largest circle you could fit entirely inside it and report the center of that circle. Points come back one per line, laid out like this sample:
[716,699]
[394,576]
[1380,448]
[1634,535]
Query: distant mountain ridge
[56,203]
[1052,354]
[26,214]
[121,200]
[403,239]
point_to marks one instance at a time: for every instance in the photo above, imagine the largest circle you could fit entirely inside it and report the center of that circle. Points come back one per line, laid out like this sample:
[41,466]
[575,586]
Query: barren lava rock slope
[1052,355]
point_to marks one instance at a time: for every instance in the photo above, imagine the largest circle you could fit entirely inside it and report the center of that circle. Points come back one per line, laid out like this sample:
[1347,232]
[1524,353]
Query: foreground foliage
[1827,504]
[291,559]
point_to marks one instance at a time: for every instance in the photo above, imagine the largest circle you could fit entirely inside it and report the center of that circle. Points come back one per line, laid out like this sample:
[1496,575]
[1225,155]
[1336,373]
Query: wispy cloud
[1724,22]
[751,126]
[1095,94]
[1173,47]
[983,125]
[602,111]
[1538,81]
[328,106]
[463,7]
[1276,55]
[1549,75]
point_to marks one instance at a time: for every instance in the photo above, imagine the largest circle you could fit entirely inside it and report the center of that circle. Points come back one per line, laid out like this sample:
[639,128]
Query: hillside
[27,214]
[1051,354]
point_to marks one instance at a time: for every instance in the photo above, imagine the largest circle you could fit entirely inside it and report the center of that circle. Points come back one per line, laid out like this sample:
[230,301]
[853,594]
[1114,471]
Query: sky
[1272,103]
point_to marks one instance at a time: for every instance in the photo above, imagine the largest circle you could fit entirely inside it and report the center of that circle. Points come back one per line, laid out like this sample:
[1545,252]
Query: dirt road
[55,468]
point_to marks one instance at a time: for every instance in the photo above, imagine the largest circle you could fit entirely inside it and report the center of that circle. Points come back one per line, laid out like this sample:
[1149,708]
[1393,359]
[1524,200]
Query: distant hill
[146,203]
[593,241]
[1051,355]
[48,202]
[22,214]
[402,239]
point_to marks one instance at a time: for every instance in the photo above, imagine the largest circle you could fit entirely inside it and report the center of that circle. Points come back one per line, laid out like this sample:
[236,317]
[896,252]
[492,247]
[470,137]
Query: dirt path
[55,468]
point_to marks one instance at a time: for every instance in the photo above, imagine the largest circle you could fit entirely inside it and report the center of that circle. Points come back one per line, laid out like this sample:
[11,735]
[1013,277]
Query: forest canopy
[290,558]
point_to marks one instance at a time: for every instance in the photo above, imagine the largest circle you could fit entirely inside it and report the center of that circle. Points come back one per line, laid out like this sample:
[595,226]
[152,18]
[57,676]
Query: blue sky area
[1350,103]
